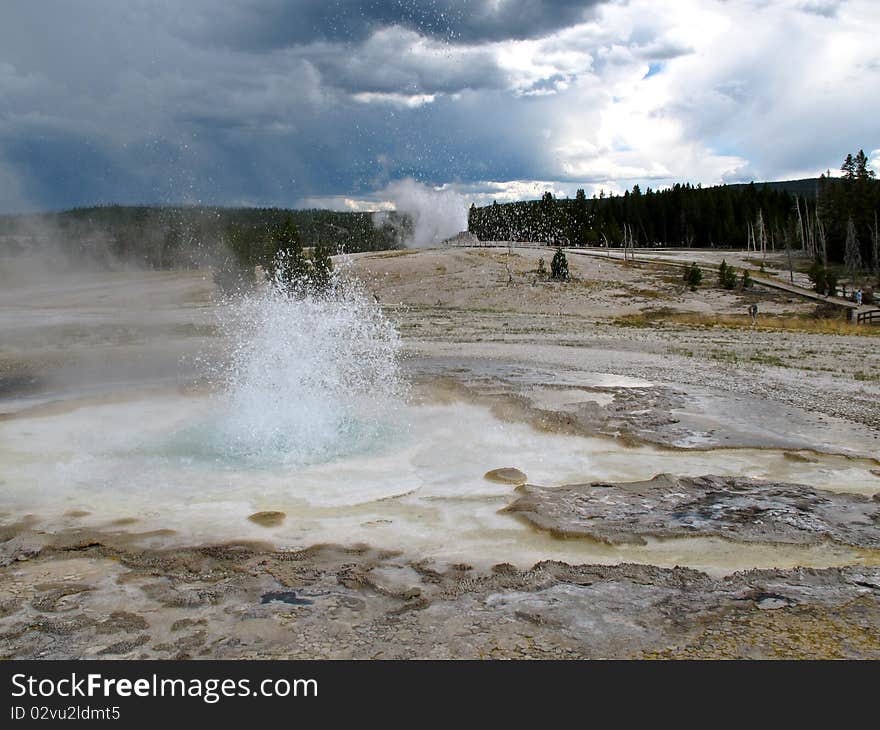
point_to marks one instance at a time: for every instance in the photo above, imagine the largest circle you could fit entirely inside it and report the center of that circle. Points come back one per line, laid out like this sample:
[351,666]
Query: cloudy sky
[332,102]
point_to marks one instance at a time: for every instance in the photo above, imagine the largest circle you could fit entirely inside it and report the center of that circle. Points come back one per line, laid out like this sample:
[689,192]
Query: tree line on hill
[837,224]
[171,237]
[282,257]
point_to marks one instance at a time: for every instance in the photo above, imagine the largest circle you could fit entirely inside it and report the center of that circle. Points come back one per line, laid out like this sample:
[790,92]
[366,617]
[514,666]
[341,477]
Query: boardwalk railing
[872,316]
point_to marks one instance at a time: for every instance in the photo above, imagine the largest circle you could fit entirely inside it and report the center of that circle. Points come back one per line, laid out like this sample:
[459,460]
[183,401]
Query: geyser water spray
[312,375]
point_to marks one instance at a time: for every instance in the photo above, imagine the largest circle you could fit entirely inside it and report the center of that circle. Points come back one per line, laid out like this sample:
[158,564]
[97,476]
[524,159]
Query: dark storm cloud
[106,101]
[261,25]
[268,102]
[395,60]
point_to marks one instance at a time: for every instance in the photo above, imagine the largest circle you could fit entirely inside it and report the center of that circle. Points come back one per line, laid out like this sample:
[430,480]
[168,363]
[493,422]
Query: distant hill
[806,188]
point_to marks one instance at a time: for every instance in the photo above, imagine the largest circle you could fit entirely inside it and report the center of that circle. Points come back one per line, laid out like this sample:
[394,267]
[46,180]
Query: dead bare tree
[811,235]
[823,241]
[629,243]
[806,231]
[785,237]
[802,231]
[761,232]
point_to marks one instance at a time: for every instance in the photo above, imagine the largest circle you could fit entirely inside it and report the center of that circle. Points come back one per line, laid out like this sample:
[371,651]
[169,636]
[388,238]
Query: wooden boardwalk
[496,244]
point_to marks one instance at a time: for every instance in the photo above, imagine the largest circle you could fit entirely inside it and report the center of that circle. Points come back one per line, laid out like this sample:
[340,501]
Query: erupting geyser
[312,376]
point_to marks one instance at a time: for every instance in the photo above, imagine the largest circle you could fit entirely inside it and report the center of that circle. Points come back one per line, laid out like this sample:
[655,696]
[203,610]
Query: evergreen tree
[579,229]
[559,266]
[496,223]
[322,267]
[854,199]
[861,167]
[549,221]
[235,272]
[284,262]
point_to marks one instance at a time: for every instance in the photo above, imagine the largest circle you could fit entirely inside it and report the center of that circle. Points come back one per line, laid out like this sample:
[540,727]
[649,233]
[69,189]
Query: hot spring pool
[156,466]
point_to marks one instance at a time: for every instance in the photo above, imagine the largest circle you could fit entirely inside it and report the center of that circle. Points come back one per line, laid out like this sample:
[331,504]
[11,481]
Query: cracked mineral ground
[548,479]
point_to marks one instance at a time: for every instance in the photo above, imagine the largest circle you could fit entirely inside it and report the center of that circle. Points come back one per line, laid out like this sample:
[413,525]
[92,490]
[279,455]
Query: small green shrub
[726,275]
[693,276]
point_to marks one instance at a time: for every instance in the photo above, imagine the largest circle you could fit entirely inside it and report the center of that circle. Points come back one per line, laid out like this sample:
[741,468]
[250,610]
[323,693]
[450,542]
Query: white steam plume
[436,213]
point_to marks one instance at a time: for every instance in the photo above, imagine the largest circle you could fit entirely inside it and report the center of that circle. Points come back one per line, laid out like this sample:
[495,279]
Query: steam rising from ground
[311,377]
[436,214]
[32,248]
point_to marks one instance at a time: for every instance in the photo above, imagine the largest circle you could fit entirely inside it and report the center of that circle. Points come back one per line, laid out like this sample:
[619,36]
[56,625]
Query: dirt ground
[461,303]
[584,357]
[501,280]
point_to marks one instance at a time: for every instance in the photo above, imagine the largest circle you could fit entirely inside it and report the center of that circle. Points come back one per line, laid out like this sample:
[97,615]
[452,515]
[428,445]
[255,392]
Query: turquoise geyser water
[312,377]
